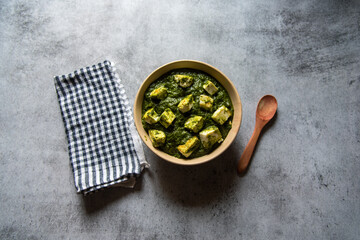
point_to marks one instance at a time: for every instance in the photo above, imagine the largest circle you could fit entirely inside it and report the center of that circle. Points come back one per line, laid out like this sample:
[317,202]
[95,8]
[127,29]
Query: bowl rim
[154,75]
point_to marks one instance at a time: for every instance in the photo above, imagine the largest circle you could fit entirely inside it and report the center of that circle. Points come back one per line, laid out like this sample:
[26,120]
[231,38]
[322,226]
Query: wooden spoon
[265,111]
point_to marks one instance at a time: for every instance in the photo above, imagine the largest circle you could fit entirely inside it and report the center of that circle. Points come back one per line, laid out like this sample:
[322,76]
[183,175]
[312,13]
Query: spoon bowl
[266,108]
[265,111]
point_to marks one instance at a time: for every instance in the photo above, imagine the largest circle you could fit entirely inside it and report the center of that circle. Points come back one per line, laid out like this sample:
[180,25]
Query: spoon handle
[246,155]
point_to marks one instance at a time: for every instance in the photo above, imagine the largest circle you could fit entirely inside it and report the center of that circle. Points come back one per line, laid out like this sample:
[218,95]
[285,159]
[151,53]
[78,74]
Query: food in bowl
[187,113]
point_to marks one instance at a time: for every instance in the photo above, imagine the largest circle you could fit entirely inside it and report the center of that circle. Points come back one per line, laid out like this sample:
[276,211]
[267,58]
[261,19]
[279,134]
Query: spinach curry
[187,113]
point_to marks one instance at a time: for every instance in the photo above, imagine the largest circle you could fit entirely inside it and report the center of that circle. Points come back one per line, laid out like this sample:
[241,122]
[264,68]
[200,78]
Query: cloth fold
[104,147]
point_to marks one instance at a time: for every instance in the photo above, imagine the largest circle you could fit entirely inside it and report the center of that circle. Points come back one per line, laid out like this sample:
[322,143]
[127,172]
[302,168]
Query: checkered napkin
[104,147]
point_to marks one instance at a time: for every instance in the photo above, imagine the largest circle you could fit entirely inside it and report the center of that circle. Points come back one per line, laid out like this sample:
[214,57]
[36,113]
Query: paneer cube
[167,117]
[184,80]
[210,136]
[157,137]
[188,148]
[210,88]
[206,102]
[221,115]
[151,116]
[194,124]
[186,104]
[159,93]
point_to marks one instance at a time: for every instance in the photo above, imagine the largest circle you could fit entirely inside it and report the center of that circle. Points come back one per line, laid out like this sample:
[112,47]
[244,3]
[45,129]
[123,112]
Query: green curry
[183,106]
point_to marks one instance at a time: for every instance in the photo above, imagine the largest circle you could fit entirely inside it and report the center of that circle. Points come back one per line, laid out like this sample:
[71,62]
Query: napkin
[104,147]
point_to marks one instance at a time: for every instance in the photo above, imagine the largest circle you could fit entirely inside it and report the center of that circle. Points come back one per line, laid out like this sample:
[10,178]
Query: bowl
[215,73]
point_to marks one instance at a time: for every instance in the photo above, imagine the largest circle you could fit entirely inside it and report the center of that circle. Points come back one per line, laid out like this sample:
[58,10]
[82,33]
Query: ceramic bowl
[215,73]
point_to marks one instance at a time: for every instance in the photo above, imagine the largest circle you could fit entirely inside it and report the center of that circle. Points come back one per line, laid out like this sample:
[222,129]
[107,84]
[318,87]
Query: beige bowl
[220,77]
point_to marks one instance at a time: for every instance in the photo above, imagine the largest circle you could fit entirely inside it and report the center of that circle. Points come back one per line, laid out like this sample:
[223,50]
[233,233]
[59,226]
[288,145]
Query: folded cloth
[104,147]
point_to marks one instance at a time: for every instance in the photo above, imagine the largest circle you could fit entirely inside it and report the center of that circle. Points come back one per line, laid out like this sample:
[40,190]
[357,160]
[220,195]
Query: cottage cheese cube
[159,93]
[151,116]
[184,80]
[210,88]
[184,150]
[206,102]
[167,117]
[210,136]
[157,137]
[186,104]
[221,115]
[188,148]
[194,124]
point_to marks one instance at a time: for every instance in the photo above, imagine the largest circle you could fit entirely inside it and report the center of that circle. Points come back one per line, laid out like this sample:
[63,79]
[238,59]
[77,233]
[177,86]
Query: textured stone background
[304,181]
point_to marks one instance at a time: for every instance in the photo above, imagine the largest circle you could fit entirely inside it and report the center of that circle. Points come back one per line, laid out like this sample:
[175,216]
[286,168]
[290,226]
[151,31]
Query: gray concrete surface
[304,180]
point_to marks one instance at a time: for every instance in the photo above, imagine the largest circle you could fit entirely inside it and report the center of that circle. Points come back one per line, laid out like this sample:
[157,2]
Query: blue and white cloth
[104,147]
